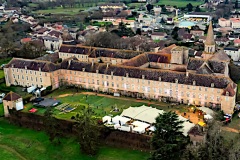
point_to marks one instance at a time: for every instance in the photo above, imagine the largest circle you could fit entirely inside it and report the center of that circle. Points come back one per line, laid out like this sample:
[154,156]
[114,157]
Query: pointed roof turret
[210,35]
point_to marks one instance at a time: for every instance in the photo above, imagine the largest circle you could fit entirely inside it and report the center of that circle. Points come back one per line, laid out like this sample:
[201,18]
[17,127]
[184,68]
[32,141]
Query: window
[40,79]
[200,88]
[36,79]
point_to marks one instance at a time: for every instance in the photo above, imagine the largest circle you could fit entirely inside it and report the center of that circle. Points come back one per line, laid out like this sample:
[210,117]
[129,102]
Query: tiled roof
[215,66]
[11,96]
[32,64]
[210,35]
[220,56]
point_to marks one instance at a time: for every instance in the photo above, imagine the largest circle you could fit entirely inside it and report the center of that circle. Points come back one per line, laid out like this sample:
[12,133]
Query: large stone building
[168,75]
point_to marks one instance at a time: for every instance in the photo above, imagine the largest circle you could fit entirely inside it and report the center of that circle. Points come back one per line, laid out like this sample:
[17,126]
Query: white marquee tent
[148,114]
[122,120]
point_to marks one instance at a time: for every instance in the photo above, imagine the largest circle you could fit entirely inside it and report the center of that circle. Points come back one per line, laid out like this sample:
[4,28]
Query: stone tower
[209,45]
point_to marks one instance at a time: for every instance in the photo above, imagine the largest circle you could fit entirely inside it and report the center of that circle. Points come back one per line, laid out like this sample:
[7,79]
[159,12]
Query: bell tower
[209,45]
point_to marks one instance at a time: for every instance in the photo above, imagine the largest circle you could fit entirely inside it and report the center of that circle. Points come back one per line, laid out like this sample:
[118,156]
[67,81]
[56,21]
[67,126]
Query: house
[222,41]
[170,20]
[197,33]
[157,10]
[236,42]
[113,6]
[232,37]
[233,52]
[158,35]
[202,39]
[12,101]
[235,23]
[224,22]
[187,37]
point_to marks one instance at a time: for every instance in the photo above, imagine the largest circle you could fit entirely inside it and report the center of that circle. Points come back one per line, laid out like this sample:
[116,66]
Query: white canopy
[125,128]
[143,113]
[207,116]
[206,110]
[139,130]
[122,120]
[106,118]
[186,127]
[140,124]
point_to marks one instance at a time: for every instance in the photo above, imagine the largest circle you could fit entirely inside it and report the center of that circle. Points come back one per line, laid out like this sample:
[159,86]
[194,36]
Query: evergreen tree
[168,141]
[51,126]
[88,131]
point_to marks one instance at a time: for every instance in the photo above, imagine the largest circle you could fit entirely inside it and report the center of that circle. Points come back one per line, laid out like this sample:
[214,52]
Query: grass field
[16,142]
[1,111]
[60,10]
[1,74]
[179,3]
[100,104]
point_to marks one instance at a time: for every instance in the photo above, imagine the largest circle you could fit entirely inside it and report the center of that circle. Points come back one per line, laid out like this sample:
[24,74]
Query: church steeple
[209,45]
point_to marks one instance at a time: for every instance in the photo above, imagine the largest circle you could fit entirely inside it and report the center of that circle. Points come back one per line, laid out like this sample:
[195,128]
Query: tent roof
[206,110]
[140,124]
[143,113]
[120,118]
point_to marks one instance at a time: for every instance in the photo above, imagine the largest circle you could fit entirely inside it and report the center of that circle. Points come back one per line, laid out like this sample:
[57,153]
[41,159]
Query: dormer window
[227,93]
[126,74]
[194,83]
[83,69]
[176,80]
[143,76]
[97,71]
[212,85]
[160,79]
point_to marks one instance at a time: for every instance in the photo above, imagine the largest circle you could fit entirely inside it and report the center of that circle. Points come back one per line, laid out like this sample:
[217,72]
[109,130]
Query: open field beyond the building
[179,3]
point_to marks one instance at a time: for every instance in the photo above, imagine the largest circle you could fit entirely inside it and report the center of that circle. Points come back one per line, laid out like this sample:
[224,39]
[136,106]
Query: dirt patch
[64,95]
[230,129]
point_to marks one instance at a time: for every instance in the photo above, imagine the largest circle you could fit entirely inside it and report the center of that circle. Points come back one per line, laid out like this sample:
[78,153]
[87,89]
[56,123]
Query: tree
[138,31]
[197,9]
[234,72]
[51,126]
[168,141]
[215,146]
[88,131]
[189,7]
[149,7]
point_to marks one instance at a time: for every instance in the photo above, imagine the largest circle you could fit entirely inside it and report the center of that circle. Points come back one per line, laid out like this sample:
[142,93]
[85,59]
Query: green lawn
[60,10]
[101,24]
[1,74]
[35,145]
[179,3]
[17,89]
[100,104]
[1,111]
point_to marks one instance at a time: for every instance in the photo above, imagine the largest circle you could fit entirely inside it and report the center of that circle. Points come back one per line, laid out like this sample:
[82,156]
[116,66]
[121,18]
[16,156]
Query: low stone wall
[107,136]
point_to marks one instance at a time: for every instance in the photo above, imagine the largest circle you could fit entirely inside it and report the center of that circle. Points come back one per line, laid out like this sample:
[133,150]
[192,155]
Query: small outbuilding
[12,101]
